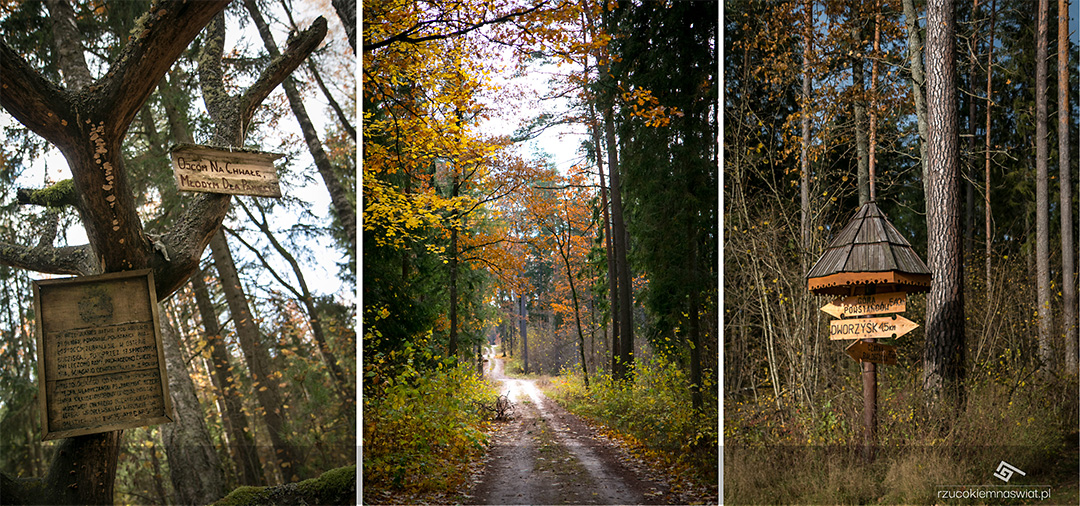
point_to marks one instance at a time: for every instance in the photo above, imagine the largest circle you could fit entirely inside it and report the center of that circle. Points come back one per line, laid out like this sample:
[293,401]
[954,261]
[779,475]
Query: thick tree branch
[59,194]
[183,245]
[212,84]
[298,50]
[160,36]
[64,260]
[33,100]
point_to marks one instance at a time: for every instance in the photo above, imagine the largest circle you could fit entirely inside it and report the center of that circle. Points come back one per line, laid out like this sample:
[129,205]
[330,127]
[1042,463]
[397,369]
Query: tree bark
[524,334]
[622,267]
[1042,192]
[67,42]
[871,171]
[944,352]
[243,444]
[804,158]
[613,280]
[264,381]
[989,218]
[1068,263]
[346,10]
[858,83]
[194,465]
[918,81]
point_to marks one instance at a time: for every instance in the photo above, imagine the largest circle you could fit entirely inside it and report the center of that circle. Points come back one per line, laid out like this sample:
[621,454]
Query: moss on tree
[337,486]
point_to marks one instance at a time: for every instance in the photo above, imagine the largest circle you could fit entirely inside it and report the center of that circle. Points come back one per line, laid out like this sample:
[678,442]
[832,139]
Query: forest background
[598,277]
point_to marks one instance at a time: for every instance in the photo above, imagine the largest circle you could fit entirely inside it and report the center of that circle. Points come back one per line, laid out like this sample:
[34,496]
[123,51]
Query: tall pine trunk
[243,447]
[943,361]
[264,380]
[194,465]
[1042,192]
[859,102]
[622,267]
[613,279]
[918,85]
[1068,263]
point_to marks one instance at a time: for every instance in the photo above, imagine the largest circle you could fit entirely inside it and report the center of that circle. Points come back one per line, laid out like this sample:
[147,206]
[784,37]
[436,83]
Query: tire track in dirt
[546,455]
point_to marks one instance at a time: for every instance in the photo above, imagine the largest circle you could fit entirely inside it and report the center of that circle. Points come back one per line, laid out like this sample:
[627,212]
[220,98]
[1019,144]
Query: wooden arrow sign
[871,328]
[864,351]
[859,305]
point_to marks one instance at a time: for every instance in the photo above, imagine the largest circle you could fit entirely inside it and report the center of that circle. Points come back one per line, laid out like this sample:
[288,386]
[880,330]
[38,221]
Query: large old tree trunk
[918,83]
[87,122]
[943,370]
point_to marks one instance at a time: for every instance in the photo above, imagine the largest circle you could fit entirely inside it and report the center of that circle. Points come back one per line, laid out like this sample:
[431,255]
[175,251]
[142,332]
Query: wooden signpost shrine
[101,366]
[872,268]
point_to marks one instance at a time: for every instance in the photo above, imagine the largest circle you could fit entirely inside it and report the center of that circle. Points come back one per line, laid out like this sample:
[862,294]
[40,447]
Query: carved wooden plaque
[101,366]
[215,170]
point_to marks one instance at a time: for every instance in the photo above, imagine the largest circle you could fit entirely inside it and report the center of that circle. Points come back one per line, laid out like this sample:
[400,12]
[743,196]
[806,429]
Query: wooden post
[869,380]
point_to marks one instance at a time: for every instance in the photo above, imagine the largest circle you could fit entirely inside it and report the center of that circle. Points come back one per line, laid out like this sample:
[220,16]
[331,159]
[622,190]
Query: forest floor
[546,455]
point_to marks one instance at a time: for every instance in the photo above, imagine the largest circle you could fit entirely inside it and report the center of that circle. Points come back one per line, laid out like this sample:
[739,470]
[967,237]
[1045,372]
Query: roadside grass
[653,414]
[787,453]
[423,430]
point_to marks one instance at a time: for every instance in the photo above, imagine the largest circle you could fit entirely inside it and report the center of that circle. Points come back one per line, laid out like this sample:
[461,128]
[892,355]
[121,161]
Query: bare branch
[409,36]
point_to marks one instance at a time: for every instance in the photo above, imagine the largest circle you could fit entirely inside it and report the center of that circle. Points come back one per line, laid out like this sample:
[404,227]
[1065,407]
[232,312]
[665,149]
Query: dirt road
[546,455]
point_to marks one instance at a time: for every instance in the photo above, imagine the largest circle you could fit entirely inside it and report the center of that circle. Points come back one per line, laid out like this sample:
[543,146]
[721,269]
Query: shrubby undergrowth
[421,428]
[794,455]
[654,410]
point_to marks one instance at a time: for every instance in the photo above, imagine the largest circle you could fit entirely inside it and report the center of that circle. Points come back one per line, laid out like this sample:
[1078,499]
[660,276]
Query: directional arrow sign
[859,305]
[872,352]
[871,328]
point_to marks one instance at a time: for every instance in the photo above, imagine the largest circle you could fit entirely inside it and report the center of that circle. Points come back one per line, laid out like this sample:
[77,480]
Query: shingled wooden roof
[868,251]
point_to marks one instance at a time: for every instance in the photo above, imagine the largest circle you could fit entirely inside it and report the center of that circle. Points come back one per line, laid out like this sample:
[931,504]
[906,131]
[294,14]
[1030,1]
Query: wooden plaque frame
[101,366]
